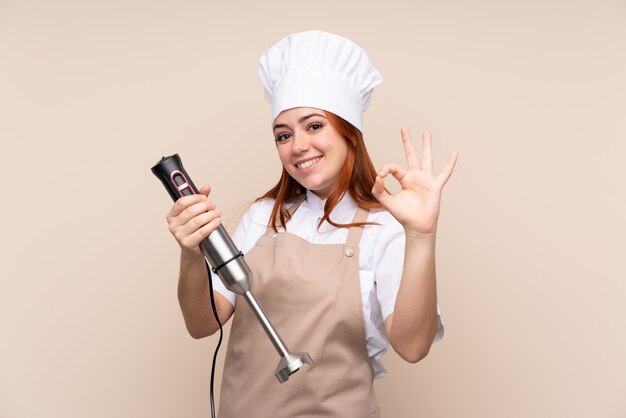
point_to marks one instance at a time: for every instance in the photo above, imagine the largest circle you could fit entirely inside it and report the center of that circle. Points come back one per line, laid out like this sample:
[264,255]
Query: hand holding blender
[225,259]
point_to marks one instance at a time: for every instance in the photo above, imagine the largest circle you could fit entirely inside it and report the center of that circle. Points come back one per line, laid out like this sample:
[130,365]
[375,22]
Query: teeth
[309,163]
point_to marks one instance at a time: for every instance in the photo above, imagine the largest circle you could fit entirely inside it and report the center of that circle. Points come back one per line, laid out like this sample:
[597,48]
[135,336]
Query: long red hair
[357,178]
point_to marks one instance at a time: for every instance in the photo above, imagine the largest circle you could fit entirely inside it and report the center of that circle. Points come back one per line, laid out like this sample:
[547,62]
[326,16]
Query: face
[310,148]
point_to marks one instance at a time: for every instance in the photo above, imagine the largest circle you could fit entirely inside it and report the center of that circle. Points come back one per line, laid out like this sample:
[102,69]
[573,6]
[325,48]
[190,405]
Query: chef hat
[321,70]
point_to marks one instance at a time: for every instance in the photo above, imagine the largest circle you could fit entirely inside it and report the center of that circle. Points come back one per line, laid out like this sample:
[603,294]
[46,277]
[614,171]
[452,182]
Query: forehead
[293,114]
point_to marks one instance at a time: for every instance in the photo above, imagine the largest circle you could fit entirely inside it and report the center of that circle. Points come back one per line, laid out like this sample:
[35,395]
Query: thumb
[205,189]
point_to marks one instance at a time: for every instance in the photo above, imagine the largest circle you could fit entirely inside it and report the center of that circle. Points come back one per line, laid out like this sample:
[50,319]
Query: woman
[354,267]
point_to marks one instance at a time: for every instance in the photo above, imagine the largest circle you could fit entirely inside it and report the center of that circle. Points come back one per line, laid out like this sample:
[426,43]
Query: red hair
[357,178]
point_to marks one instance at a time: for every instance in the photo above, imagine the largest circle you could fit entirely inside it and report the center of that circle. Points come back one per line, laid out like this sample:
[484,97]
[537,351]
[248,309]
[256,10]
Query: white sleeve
[238,239]
[388,266]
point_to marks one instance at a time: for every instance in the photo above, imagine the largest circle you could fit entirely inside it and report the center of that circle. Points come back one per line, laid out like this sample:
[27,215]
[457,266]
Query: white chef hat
[321,70]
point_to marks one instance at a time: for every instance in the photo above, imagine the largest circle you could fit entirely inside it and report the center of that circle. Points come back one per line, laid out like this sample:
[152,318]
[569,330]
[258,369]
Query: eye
[315,126]
[282,137]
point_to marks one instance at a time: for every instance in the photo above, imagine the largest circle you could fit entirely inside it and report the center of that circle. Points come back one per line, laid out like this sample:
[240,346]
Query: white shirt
[381,258]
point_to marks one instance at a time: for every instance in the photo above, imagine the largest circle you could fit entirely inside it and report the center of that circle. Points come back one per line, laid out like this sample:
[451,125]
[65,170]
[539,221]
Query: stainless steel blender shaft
[228,263]
[289,362]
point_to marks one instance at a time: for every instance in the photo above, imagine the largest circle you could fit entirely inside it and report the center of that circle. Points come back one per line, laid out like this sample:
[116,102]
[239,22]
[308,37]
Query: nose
[300,143]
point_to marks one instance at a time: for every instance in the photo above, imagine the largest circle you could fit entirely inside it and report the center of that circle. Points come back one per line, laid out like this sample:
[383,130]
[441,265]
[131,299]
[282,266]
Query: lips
[309,162]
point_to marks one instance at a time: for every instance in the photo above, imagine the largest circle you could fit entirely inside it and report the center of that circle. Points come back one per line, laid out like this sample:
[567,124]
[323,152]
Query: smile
[308,163]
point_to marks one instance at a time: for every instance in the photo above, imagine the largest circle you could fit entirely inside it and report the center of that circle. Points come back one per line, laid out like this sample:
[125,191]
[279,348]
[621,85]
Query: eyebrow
[302,119]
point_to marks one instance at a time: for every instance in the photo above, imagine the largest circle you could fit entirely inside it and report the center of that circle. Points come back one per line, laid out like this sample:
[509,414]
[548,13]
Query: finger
[396,171]
[191,212]
[193,240]
[205,190]
[427,153]
[379,191]
[445,174]
[200,220]
[183,203]
[195,223]
[409,151]
[195,210]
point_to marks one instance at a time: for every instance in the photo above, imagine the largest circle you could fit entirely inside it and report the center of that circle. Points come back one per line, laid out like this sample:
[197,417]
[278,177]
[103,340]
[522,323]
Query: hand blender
[228,263]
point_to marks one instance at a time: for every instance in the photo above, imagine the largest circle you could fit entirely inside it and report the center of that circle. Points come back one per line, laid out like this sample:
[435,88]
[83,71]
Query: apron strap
[292,209]
[354,235]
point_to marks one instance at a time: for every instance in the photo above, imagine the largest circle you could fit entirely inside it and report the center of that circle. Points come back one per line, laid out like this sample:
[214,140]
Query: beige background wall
[531,238]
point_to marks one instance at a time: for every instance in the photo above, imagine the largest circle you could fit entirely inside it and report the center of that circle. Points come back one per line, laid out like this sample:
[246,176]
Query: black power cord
[219,342]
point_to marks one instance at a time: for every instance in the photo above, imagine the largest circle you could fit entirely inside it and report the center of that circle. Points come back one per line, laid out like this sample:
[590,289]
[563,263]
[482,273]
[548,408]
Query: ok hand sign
[416,206]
